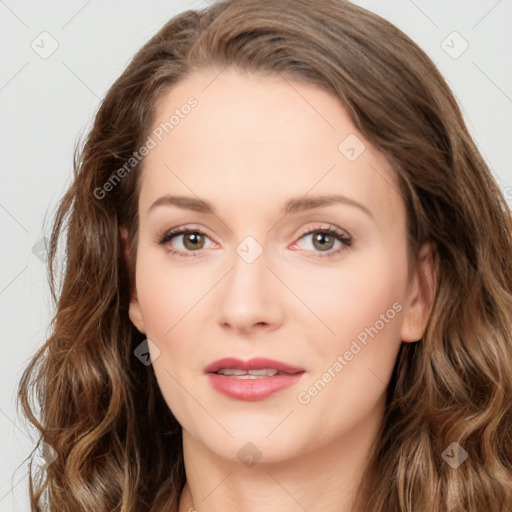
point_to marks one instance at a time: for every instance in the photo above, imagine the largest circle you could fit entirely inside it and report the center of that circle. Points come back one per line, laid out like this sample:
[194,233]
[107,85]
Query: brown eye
[323,241]
[185,242]
[193,240]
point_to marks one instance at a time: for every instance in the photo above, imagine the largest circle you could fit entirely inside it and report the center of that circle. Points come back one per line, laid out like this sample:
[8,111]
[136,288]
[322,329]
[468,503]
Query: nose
[249,297]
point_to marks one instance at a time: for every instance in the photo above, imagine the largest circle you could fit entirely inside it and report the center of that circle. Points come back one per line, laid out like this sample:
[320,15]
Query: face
[290,245]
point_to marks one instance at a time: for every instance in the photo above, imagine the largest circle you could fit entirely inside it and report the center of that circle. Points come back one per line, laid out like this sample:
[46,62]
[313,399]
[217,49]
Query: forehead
[262,138]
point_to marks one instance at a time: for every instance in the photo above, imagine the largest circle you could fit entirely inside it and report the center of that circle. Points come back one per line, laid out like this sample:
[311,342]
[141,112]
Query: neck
[322,480]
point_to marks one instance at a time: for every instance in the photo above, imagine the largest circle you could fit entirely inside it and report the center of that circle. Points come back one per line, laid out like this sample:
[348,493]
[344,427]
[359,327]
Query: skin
[252,143]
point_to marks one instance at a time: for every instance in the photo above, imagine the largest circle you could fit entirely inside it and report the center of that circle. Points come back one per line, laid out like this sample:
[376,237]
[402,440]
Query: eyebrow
[293,205]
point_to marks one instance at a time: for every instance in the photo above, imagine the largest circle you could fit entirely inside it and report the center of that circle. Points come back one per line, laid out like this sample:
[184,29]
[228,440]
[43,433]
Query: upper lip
[256,363]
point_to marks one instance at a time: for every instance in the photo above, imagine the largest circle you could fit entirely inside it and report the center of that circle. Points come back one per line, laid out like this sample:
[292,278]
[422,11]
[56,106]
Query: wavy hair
[118,445]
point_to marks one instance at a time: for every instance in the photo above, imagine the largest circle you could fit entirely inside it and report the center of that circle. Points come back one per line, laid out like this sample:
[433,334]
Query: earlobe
[421,294]
[135,315]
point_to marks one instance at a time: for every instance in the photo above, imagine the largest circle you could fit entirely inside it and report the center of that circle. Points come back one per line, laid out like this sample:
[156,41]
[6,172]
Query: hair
[118,446]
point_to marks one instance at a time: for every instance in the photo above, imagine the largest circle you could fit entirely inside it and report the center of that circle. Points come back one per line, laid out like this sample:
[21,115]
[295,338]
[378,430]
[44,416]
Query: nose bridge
[250,293]
[248,279]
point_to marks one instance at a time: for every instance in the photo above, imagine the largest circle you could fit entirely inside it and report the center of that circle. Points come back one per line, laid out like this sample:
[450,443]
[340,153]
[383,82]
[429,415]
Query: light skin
[252,144]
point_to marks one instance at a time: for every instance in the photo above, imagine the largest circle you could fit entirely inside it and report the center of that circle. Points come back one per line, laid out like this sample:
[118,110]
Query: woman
[287,283]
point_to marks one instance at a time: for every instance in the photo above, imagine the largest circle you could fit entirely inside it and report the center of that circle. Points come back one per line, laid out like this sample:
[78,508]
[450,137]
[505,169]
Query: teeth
[249,374]
[246,377]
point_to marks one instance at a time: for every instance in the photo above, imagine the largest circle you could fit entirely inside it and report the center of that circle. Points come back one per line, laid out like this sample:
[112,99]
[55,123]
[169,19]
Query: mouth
[251,380]
[257,366]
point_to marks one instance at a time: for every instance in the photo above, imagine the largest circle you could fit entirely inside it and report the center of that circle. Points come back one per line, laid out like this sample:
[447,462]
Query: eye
[189,241]
[323,240]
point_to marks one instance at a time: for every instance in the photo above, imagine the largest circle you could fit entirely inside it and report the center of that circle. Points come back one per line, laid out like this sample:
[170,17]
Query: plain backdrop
[57,60]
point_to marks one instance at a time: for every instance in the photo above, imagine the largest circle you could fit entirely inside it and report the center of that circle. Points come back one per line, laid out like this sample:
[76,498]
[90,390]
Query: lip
[252,389]
[256,363]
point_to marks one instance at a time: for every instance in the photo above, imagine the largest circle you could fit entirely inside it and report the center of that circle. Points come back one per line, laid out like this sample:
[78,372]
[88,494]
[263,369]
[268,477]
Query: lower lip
[252,389]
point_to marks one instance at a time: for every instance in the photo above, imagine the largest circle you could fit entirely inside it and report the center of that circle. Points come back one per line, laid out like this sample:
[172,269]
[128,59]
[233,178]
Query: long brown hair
[118,445]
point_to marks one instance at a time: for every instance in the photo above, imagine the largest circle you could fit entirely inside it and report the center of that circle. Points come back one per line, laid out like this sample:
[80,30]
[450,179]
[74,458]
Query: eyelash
[345,240]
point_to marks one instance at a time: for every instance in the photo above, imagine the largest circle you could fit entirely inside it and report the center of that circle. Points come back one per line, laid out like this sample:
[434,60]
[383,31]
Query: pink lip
[252,389]
[256,363]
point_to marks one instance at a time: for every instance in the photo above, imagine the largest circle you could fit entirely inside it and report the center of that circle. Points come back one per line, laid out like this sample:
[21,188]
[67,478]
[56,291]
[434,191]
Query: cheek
[347,299]
[155,299]
[167,293]
[363,307]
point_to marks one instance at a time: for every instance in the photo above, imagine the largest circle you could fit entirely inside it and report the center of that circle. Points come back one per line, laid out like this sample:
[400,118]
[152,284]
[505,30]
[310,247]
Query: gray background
[48,101]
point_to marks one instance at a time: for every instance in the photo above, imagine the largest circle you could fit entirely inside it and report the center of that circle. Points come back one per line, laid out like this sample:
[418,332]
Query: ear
[421,294]
[134,310]
[135,314]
